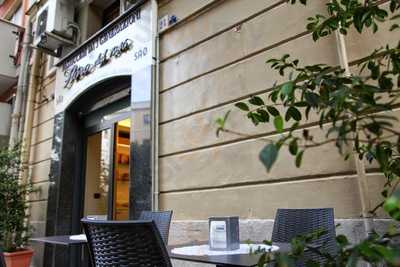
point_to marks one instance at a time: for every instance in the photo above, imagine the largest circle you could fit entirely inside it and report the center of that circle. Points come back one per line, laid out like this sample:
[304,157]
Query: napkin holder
[224,233]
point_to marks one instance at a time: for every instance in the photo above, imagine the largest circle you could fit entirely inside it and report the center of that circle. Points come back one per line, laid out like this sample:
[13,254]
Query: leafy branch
[354,111]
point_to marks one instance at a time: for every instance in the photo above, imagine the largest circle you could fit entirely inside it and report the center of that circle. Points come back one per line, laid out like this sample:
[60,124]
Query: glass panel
[121,170]
[97,173]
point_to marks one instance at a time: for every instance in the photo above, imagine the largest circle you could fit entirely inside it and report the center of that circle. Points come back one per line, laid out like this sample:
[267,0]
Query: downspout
[21,85]
[360,166]
[155,109]
[25,19]
[26,173]
[27,133]
[23,109]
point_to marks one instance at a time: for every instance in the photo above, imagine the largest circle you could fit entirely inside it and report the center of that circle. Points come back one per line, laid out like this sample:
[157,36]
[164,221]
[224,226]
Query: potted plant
[14,231]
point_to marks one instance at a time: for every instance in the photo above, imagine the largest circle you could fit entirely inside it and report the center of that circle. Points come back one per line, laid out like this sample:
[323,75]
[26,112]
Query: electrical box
[52,31]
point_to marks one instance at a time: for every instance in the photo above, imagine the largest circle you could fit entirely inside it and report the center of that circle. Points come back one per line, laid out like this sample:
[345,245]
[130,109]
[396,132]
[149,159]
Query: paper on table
[78,237]
[204,250]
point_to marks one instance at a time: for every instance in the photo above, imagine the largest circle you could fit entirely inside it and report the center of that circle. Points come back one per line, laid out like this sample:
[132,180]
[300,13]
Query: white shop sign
[124,48]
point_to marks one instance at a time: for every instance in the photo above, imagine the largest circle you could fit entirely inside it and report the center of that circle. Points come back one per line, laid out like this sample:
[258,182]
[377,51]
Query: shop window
[129,3]
[110,13]
[146,119]
[16,18]
[94,16]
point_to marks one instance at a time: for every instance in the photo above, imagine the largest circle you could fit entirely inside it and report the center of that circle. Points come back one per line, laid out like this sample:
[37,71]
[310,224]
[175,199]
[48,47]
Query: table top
[63,240]
[239,260]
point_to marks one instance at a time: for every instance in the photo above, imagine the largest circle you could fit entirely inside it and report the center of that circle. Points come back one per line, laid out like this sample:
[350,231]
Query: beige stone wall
[39,162]
[210,60]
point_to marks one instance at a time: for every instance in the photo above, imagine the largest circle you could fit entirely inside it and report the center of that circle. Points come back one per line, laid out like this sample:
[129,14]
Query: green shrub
[14,231]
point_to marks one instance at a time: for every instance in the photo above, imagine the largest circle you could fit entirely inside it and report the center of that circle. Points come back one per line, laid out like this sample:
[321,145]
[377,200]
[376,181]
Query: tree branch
[380,205]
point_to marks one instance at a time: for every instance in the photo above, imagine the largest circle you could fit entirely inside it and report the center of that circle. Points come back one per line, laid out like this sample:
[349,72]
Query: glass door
[121,170]
[97,174]
[107,173]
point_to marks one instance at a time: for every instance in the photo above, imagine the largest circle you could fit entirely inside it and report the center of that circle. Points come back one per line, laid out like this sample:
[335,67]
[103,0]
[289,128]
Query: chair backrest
[161,218]
[290,223]
[2,261]
[125,243]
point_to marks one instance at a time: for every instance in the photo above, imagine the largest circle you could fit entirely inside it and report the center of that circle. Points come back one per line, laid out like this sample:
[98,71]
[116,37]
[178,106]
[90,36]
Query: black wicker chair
[161,218]
[2,261]
[125,243]
[290,223]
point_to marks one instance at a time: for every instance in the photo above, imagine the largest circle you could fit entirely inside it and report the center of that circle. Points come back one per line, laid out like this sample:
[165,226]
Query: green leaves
[258,112]
[392,206]
[342,241]
[13,212]
[293,147]
[312,99]
[304,2]
[220,122]
[273,111]
[345,14]
[394,5]
[299,158]
[242,106]
[278,122]
[293,113]
[287,89]
[377,249]
[256,100]
[268,155]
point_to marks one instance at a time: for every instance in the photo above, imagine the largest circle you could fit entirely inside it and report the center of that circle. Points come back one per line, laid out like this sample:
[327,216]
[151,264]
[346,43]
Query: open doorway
[121,170]
[97,174]
[107,173]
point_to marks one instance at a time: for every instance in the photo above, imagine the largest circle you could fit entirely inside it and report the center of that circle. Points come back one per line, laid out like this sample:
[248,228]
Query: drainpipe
[24,20]
[360,166]
[26,174]
[27,133]
[21,85]
[156,109]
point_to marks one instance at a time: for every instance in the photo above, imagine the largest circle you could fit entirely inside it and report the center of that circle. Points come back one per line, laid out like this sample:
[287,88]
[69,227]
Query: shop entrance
[101,161]
[107,168]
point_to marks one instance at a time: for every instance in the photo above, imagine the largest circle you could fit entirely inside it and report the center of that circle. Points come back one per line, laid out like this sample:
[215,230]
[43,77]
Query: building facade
[123,119]
[11,28]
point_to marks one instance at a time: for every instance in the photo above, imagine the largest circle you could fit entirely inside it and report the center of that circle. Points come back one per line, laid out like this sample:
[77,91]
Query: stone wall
[215,56]
[39,162]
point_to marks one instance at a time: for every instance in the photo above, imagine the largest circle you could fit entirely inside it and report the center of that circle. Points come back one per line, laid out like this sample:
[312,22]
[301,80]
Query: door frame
[65,202]
[110,124]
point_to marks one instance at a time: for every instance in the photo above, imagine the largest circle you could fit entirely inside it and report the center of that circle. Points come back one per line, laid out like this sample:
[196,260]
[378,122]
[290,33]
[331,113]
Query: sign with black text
[122,48]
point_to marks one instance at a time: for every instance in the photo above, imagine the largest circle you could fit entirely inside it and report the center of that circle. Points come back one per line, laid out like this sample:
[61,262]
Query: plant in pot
[14,231]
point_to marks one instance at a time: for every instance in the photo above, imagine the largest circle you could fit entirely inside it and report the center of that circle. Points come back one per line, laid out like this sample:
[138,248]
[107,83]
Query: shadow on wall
[3,141]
